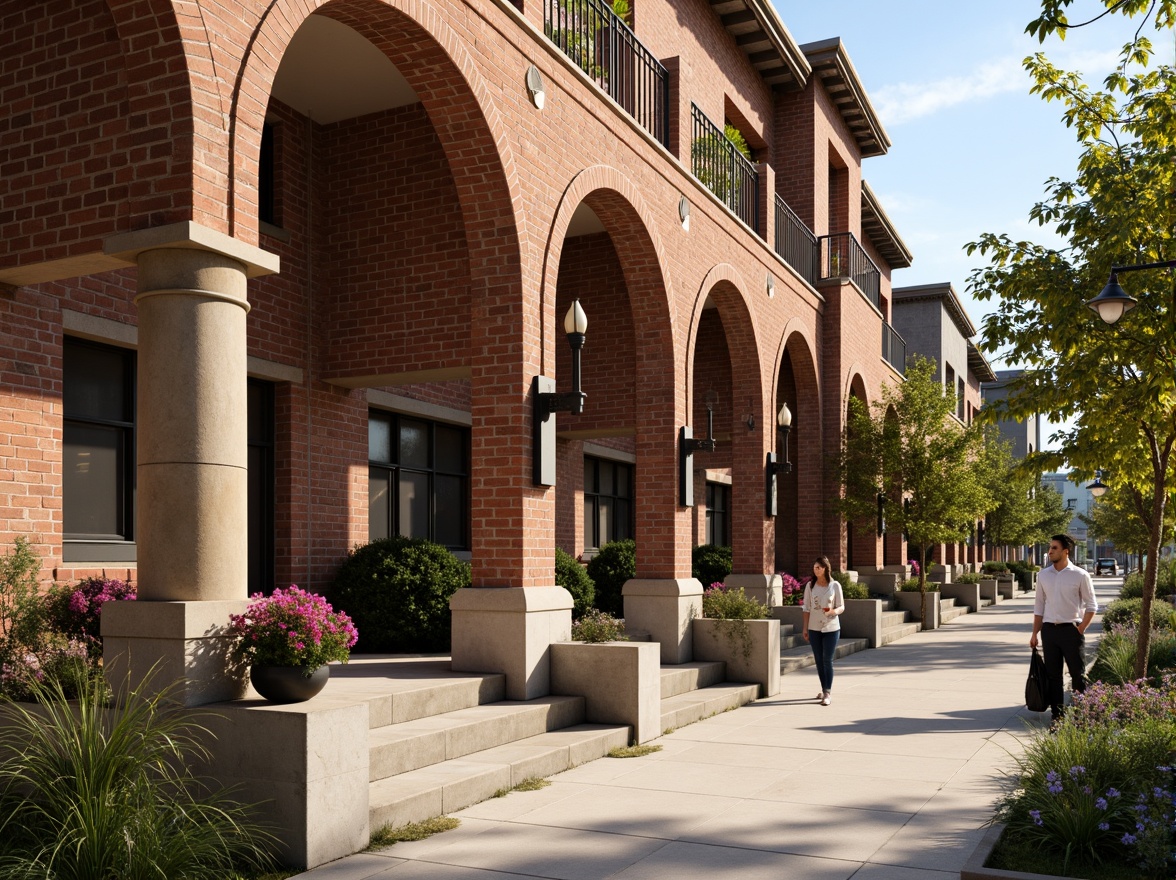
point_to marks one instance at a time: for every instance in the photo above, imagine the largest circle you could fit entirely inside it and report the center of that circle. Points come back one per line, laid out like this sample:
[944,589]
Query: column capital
[127,246]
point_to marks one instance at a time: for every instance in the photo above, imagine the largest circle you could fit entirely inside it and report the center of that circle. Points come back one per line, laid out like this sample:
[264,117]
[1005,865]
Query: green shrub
[711,563]
[89,790]
[725,603]
[570,575]
[1125,612]
[609,569]
[911,585]
[598,626]
[969,577]
[21,609]
[1133,586]
[1115,661]
[396,591]
[842,577]
[994,567]
[854,590]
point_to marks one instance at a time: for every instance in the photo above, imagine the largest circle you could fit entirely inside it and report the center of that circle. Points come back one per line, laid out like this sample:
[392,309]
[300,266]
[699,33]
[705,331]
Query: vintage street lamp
[1113,302]
[687,446]
[547,401]
[1098,488]
[774,467]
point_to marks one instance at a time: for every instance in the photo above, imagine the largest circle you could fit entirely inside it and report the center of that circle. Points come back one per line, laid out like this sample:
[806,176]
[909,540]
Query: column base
[170,642]
[767,589]
[665,607]
[510,630]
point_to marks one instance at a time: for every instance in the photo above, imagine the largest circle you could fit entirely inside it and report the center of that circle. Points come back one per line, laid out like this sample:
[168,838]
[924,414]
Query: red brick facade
[425,250]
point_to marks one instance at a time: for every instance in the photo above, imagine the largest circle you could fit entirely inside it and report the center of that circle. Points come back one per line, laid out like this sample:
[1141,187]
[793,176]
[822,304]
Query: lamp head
[1113,302]
[575,321]
[784,417]
[1098,488]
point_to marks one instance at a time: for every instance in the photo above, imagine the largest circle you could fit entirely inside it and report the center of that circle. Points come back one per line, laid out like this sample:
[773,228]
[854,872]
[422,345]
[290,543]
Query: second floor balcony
[725,171]
[605,48]
[893,348]
[795,242]
[843,257]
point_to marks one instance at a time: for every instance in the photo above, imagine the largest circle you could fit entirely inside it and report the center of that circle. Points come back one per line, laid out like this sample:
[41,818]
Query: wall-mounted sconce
[536,88]
[684,213]
[881,514]
[547,401]
[687,446]
[771,285]
[774,467]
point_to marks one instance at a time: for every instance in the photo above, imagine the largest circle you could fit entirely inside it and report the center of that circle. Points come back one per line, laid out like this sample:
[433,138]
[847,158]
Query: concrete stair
[897,625]
[693,691]
[949,611]
[801,657]
[440,741]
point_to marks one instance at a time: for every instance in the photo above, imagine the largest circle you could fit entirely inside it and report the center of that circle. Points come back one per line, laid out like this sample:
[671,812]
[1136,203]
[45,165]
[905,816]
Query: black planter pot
[288,684]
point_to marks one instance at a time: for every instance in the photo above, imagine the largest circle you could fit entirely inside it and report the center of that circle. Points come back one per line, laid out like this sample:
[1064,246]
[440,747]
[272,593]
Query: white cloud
[904,102]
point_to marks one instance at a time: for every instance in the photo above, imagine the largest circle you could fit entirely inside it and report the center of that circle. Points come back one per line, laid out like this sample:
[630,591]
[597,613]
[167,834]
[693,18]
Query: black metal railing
[605,48]
[893,348]
[843,257]
[723,170]
[795,242]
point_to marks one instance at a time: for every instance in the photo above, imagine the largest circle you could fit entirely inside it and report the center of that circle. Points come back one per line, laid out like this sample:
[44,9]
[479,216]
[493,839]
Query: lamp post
[774,467]
[547,401]
[1098,488]
[1113,303]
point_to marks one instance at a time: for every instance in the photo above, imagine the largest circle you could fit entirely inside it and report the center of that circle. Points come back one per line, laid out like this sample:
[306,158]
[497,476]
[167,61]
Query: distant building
[1023,435]
[1078,501]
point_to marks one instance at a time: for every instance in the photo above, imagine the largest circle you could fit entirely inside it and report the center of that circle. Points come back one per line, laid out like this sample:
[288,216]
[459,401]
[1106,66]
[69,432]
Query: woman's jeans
[824,647]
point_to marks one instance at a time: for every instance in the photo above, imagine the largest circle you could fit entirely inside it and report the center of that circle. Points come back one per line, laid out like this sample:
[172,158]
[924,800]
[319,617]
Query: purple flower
[1052,776]
[1055,788]
[1101,803]
[1112,792]
[1103,826]
[1127,839]
[1035,815]
[1075,772]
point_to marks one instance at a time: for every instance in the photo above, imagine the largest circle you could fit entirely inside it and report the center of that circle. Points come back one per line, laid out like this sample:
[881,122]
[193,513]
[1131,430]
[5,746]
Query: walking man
[1062,611]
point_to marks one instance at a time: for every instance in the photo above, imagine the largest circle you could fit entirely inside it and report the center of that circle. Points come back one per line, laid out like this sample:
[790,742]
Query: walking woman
[823,603]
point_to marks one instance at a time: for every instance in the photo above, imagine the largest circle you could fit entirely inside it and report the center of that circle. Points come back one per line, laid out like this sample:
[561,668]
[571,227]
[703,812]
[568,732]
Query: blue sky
[972,148]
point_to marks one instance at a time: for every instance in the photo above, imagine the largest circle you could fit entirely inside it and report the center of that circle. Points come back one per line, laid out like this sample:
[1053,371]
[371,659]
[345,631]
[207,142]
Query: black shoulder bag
[1037,685]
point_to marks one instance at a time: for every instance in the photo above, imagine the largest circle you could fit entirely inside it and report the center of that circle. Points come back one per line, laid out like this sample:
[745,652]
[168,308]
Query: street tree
[1117,383]
[911,452]
[1120,517]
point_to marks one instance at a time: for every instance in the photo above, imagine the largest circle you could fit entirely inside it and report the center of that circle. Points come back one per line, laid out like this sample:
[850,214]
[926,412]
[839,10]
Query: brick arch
[799,537]
[430,55]
[729,290]
[663,545]
[177,104]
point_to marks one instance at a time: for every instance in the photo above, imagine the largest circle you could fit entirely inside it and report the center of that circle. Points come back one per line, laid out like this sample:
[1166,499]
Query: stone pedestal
[619,681]
[665,608]
[750,648]
[510,630]
[166,642]
[767,589]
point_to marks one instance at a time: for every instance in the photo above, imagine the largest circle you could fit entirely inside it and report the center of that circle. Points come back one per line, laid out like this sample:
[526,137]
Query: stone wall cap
[516,599]
[127,246]
[662,587]
[147,619]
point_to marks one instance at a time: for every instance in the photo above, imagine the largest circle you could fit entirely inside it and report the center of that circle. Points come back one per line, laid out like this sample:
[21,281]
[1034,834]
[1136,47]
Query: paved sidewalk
[893,780]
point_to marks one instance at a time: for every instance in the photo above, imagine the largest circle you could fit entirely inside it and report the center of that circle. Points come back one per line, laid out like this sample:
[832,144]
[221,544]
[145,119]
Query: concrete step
[682,678]
[893,618]
[399,689]
[400,748]
[450,785]
[791,641]
[793,659]
[682,709]
[985,603]
[894,633]
[946,615]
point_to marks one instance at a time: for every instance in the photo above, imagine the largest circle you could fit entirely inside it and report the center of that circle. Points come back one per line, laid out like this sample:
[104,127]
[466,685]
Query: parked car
[1106,567]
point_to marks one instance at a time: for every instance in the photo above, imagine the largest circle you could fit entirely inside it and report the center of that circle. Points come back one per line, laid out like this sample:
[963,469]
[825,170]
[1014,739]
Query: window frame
[723,490]
[394,469]
[595,495]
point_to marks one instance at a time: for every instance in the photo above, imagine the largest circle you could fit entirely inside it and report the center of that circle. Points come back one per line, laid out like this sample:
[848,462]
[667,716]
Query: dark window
[261,486]
[608,502]
[418,480]
[98,466]
[718,514]
[266,176]
[960,400]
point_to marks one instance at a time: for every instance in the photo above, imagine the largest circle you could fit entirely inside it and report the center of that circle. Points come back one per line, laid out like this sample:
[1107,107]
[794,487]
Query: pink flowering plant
[77,611]
[292,627]
[791,589]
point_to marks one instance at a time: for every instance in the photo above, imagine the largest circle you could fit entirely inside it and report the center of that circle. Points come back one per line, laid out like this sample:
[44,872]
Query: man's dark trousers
[1062,642]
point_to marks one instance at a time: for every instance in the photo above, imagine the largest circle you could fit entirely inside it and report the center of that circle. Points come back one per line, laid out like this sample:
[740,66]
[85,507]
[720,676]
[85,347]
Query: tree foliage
[1118,383]
[1120,518]
[1024,511]
[925,464]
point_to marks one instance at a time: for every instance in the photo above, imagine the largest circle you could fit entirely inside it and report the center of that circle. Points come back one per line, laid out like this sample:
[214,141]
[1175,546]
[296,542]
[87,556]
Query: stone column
[191,443]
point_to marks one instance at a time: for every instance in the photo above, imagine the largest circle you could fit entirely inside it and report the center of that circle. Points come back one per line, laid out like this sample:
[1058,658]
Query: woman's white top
[817,599]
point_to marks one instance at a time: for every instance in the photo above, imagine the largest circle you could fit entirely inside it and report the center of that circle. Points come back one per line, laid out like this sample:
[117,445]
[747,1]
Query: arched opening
[799,530]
